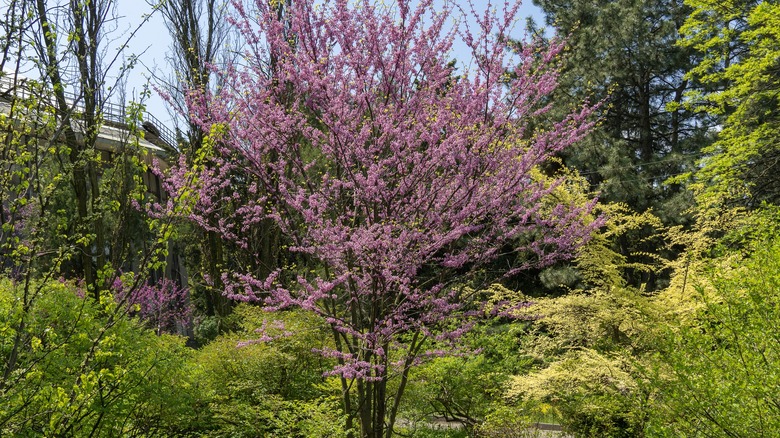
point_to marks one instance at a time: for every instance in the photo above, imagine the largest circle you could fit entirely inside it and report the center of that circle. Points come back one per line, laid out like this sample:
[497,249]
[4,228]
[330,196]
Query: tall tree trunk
[679,92]
[77,158]
[87,23]
[645,119]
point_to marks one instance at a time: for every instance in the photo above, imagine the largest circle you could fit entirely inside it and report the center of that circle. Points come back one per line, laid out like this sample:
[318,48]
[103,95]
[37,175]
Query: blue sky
[152,44]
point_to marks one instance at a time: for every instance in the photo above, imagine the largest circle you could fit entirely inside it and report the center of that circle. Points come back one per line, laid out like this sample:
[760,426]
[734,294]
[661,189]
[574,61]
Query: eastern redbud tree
[395,175]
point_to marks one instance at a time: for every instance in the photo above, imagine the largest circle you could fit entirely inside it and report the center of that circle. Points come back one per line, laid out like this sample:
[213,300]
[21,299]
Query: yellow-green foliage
[576,373]
[604,320]
[585,343]
[615,361]
[591,393]
[716,371]
[612,258]
[274,387]
[717,242]
[740,43]
[601,265]
[285,365]
[70,369]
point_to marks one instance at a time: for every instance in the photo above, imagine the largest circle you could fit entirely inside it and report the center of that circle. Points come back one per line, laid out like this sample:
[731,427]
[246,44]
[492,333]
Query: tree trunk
[76,156]
[645,120]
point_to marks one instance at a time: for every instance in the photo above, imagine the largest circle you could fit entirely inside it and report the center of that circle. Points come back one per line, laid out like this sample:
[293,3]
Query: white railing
[111,112]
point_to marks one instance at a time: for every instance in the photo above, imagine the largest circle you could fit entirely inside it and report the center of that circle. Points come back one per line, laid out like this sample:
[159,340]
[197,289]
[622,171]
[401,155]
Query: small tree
[395,178]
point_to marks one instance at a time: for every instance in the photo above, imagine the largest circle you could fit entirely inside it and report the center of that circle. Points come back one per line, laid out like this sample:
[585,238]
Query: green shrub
[273,387]
[718,370]
[74,367]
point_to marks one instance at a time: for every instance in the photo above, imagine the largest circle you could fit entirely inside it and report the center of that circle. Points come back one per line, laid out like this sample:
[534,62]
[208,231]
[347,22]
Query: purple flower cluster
[163,306]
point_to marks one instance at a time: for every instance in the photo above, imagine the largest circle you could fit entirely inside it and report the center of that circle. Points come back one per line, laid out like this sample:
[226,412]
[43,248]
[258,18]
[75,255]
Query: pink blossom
[395,174]
[164,306]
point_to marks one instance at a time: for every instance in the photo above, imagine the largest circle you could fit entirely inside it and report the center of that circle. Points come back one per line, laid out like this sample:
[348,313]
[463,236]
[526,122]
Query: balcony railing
[112,113]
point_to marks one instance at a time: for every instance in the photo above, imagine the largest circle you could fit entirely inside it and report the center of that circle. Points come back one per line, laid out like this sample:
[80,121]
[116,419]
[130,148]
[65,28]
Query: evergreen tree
[624,51]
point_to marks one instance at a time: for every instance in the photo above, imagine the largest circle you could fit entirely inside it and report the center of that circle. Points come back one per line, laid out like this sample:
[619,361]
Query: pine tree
[624,51]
